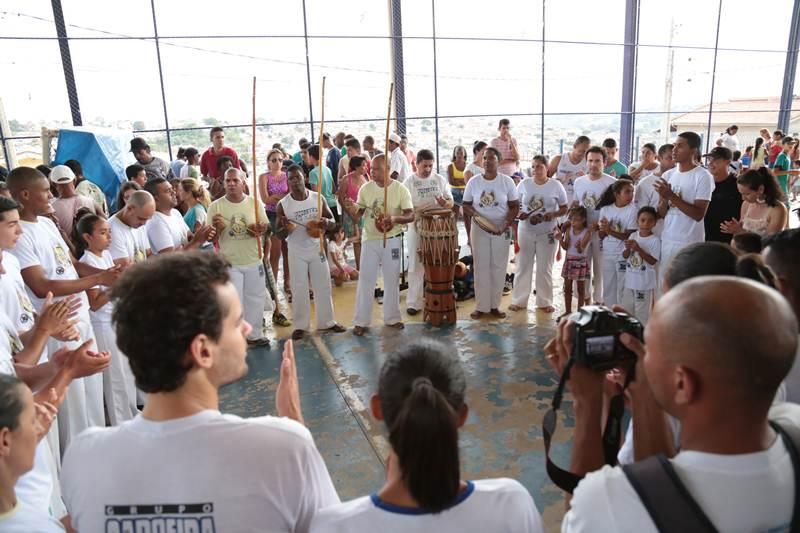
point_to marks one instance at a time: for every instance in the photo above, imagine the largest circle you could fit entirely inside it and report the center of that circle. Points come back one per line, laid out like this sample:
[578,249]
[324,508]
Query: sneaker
[280,320]
[509,283]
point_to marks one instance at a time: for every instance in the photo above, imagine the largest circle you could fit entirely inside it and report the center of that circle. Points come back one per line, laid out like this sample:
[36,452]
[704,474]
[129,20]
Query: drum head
[437,212]
[485,224]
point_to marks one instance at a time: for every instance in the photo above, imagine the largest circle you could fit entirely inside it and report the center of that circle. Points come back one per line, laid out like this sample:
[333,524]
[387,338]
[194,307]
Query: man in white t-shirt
[399,168]
[645,194]
[182,465]
[47,266]
[167,231]
[717,372]
[428,190]
[569,166]
[685,192]
[587,192]
[129,243]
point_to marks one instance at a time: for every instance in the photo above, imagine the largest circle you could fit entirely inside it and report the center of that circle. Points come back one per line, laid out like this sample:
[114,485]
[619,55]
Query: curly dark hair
[161,305]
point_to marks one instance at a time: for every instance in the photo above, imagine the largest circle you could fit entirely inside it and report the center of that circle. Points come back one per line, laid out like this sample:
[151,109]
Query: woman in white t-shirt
[494,198]
[420,398]
[729,139]
[22,428]
[473,169]
[92,240]
[542,201]
[617,222]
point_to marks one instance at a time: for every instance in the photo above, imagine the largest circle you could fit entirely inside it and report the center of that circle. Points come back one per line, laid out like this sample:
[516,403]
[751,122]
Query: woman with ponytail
[759,157]
[420,398]
[762,210]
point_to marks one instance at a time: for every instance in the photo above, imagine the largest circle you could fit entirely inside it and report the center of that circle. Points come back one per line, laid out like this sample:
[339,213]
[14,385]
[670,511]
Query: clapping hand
[731,227]
[287,397]
[663,189]
[603,226]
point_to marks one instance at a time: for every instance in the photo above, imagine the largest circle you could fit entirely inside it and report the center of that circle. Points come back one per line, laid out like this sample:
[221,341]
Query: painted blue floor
[509,384]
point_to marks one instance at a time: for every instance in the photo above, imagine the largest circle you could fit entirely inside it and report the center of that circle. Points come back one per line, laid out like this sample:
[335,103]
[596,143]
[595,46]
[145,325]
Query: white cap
[395,138]
[61,174]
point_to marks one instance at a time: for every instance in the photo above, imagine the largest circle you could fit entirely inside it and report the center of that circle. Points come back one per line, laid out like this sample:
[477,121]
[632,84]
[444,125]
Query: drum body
[438,252]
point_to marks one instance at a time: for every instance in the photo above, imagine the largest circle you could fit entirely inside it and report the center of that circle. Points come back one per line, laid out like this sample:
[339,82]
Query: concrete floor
[509,389]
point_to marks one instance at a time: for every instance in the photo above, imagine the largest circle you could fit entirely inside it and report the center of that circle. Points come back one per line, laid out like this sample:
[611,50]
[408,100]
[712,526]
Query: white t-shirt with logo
[102,262]
[588,193]
[639,274]
[488,505]
[739,493]
[303,212]
[490,197]
[167,231]
[205,472]
[42,245]
[696,184]
[540,199]
[425,191]
[127,242]
[568,174]
[14,299]
[620,219]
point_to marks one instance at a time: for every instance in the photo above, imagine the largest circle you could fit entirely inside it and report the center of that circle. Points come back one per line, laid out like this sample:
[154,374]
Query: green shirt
[616,170]
[782,163]
[327,184]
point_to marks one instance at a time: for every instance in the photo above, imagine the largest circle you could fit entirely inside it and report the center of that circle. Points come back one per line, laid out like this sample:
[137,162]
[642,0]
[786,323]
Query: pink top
[279,185]
[504,147]
[352,186]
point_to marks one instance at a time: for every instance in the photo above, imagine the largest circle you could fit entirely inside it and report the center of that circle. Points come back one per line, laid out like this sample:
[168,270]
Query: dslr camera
[596,337]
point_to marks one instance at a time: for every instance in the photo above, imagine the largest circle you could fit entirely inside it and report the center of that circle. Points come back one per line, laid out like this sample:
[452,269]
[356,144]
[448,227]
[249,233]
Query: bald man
[129,242]
[717,372]
[782,254]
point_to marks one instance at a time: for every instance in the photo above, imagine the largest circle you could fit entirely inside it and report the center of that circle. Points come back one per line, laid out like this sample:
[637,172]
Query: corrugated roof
[754,111]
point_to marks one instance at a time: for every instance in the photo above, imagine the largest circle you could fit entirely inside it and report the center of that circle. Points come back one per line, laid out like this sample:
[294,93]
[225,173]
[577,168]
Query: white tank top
[302,212]
[567,172]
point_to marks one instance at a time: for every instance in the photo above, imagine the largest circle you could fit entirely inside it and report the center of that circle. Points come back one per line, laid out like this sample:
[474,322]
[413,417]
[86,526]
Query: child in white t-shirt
[92,237]
[576,239]
[340,270]
[642,252]
[617,222]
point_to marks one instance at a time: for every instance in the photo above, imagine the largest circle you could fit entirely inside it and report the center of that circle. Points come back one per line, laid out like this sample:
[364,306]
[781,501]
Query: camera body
[596,337]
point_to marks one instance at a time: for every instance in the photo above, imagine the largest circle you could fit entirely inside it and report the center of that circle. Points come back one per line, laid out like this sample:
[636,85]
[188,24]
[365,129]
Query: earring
[761,199]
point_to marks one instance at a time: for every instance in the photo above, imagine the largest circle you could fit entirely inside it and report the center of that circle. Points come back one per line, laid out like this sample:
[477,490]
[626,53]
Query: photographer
[718,378]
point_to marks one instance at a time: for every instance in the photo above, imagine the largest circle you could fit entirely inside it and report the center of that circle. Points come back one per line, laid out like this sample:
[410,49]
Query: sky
[212,77]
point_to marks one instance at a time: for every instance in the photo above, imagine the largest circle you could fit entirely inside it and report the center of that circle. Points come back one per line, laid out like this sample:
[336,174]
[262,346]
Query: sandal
[280,320]
[396,325]
[475,315]
[497,313]
[514,307]
[336,328]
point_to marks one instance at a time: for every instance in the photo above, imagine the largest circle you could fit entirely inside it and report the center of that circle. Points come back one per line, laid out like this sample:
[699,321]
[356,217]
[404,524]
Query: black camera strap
[612,435]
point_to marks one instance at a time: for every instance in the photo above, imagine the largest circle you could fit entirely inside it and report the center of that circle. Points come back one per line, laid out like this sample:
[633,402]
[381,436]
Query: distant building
[750,114]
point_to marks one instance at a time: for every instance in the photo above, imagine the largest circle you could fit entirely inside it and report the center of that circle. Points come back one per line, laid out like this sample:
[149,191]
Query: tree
[138,125]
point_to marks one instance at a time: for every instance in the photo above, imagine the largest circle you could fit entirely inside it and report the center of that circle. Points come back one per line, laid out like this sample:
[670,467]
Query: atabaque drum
[438,252]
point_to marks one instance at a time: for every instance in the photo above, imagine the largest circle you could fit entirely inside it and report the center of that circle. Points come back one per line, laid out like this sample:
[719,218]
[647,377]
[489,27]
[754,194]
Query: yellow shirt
[371,196]
[238,246]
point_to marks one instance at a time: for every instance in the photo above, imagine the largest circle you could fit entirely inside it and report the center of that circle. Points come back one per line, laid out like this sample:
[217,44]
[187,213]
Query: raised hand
[287,397]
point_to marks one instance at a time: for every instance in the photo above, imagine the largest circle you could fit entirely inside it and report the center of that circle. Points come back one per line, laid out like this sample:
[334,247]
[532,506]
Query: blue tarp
[102,153]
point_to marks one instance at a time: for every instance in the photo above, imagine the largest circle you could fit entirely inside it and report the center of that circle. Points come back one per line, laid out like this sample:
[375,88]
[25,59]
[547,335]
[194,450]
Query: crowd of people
[189,244]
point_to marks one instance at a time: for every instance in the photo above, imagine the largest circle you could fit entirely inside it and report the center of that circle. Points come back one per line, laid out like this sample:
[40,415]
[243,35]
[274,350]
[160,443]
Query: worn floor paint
[509,389]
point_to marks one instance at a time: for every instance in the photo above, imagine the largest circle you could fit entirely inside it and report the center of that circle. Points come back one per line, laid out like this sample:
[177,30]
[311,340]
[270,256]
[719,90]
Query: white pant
[249,283]
[596,270]
[489,260]
[374,256]
[668,251]
[613,279]
[541,249]
[119,386]
[305,262]
[83,403]
[416,273]
[638,303]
